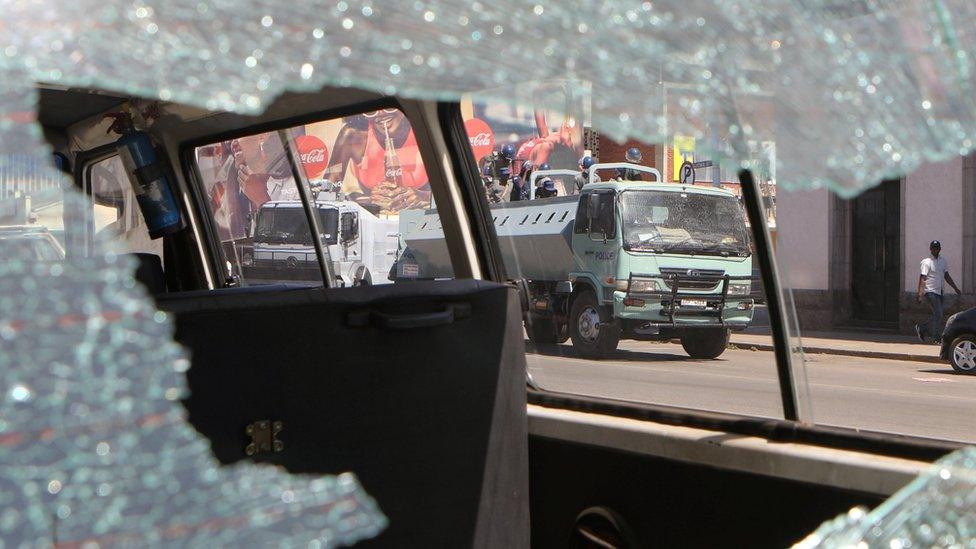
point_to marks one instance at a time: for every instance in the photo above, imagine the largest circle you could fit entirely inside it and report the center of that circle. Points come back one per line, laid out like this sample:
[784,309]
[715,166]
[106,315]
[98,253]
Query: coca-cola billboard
[481,137]
[314,155]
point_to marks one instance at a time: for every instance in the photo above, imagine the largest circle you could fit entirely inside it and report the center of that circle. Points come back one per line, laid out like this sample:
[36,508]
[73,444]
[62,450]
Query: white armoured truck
[362,246]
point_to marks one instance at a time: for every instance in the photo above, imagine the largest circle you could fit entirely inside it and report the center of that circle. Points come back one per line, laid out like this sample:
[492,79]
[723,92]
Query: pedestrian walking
[931,284]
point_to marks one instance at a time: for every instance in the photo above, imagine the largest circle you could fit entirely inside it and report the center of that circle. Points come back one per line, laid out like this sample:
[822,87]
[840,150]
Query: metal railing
[674,294]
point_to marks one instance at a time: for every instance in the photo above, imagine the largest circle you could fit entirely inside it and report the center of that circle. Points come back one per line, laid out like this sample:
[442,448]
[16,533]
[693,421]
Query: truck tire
[594,333]
[705,343]
[545,331]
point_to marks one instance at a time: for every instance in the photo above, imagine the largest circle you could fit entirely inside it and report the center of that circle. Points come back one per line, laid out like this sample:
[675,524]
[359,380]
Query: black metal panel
[410,411]
[672,504]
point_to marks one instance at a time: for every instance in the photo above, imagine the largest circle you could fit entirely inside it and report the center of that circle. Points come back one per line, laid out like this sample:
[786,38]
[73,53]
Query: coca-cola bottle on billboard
[391,162]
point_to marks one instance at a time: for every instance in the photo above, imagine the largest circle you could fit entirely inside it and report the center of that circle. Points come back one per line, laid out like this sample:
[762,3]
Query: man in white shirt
[931,282]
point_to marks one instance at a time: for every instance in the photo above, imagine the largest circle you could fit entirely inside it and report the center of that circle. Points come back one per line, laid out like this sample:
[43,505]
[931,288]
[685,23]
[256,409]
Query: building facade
[854,263]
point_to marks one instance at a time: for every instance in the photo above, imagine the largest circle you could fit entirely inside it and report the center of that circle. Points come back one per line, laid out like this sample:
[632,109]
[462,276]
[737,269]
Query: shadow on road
[567,351]
[948,371]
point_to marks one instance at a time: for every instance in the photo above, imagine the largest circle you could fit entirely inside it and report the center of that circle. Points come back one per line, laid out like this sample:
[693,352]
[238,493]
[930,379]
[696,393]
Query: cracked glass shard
[850,92]
[937,509]
[94,444]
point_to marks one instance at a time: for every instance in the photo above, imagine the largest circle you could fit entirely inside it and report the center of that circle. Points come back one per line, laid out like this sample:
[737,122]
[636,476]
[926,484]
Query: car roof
[655,186]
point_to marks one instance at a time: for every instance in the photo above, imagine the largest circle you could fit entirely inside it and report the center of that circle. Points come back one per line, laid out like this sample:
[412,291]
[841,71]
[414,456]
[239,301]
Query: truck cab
[659,260]
[358,242]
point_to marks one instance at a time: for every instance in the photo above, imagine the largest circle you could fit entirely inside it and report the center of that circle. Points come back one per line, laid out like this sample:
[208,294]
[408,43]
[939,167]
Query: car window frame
[194,179]
[789,428]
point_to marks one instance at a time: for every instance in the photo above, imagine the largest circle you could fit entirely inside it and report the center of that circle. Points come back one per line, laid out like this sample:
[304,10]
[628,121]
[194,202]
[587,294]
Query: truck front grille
[693,279]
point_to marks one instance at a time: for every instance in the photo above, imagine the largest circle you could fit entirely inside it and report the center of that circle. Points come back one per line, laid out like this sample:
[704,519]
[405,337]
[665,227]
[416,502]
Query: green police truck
[617,259]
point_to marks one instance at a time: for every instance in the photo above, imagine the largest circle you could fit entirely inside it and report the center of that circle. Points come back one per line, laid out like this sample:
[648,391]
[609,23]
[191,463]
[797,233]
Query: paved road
[914,398]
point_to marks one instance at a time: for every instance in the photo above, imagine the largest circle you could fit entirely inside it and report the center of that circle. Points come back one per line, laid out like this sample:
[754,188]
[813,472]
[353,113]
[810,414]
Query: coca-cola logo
[480,136]
[314,155]
[483,139]
[393,174]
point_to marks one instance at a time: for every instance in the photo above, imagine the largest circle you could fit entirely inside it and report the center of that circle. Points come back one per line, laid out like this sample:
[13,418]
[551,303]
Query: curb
[845,352]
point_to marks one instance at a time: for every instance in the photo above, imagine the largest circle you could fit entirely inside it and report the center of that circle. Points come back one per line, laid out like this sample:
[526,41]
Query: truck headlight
[740,289]
[639,286]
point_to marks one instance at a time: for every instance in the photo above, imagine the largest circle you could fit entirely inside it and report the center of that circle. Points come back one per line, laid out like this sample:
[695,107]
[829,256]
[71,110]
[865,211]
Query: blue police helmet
[586,162]
[548,184]
[633,155]
[544,166]
[508,151]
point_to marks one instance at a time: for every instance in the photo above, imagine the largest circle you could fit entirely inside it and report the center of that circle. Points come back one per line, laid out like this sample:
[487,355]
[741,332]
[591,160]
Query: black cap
[935,244]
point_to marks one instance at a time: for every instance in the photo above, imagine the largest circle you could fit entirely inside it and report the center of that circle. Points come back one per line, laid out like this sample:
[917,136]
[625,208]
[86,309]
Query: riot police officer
[584,176]
[520,183]
[496,171]
[633,156]
[547,188]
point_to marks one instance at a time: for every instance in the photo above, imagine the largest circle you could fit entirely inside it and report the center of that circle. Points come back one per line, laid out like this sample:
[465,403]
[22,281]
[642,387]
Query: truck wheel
[962,353]
[705,343]
[545,331]
[594,334]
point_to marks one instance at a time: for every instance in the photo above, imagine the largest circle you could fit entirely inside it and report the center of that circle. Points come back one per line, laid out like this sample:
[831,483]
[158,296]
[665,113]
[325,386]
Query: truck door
[352,246]
[600,248]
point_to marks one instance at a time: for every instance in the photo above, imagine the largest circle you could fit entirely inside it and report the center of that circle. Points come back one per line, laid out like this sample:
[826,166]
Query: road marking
[934,380]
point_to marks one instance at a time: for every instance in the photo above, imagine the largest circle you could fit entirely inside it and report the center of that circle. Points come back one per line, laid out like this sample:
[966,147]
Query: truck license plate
[693,303]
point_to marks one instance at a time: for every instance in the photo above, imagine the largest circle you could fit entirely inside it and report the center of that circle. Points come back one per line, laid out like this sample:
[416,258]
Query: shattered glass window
[95,445]
[811,96]
[93,432]
[934,510]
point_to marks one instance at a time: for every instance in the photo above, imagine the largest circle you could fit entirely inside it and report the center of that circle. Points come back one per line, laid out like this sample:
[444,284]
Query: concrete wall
[933,210]
[802,235]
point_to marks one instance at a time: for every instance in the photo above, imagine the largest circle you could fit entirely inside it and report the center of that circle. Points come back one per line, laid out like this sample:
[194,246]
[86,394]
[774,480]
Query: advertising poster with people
[541,128]
[371,158]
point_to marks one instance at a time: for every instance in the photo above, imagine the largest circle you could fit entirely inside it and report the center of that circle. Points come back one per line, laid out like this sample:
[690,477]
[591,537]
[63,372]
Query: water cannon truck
[617,259]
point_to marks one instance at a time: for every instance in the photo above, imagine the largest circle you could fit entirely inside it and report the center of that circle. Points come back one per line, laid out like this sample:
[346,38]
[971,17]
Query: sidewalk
[868,345]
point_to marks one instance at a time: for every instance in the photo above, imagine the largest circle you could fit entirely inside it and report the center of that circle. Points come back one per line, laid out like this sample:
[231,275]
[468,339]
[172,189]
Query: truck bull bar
[674,294]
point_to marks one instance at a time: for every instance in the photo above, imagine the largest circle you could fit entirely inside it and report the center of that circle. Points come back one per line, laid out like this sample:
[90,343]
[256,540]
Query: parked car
[959,341]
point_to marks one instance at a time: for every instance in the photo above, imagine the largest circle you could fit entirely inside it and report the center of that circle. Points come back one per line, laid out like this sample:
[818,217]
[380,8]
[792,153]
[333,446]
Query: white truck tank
[534,236]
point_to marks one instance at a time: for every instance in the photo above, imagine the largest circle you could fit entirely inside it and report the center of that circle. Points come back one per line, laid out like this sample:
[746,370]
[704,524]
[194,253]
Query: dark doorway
[875,254]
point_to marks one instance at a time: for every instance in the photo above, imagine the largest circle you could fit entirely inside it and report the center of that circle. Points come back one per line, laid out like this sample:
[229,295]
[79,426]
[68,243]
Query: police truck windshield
[683,222]
[286,225]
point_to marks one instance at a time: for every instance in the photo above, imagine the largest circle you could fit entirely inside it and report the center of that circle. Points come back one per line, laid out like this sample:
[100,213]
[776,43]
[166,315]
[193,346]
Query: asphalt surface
[897,396]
